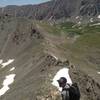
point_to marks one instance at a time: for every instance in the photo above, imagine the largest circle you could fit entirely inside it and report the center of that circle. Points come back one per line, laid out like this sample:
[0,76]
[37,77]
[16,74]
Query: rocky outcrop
[89,88]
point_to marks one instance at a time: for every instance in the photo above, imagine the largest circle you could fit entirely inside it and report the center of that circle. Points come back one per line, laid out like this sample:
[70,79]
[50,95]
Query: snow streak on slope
[6,63]
[8,80]
[12,68]
[98,72]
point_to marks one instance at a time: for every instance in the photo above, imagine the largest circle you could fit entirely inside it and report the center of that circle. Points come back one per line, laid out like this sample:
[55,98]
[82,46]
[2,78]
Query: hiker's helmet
[62,81]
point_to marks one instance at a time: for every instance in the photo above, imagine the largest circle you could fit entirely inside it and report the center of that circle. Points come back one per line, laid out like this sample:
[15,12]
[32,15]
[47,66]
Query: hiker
[69,92]
[65,88]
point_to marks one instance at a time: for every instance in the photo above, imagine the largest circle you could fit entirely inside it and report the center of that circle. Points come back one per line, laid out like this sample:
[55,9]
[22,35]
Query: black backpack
[74,92]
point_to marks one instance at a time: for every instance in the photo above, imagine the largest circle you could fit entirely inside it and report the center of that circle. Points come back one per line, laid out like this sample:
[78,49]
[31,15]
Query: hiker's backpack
[74,92]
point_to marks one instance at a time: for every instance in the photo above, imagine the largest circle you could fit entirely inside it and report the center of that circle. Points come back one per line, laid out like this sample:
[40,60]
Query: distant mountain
[55,9]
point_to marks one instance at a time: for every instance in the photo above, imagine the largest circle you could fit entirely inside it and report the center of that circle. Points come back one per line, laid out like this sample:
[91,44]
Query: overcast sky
[20,2]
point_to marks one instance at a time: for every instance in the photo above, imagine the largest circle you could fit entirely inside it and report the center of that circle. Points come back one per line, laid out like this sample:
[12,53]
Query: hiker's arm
[65,95]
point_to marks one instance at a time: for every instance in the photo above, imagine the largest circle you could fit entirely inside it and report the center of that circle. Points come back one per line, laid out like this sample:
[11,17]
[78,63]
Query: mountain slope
[55,9]
[39,49]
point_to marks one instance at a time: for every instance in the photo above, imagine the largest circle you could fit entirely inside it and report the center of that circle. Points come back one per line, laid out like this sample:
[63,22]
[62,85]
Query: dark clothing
[65,93]
[71,92]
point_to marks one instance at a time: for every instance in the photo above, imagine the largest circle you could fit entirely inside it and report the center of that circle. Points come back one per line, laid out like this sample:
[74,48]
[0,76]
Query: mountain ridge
[55,9]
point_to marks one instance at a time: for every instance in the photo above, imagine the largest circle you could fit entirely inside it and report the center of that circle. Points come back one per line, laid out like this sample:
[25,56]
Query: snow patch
[77,17]
[91,19]
[79,23]
[8,80]
[61,73]
[98,72]
[13,68]
[7,63]
[95,24]
[98,16]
